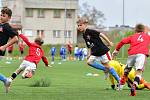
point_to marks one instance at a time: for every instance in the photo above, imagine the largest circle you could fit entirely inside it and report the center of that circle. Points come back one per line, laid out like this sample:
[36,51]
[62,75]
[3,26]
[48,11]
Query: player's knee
[89,62]
[27,75]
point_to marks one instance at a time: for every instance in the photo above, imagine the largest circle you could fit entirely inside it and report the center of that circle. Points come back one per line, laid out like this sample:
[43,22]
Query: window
[56,33]
[67,34]
[57,13]
[68,14]
[28,32]
[29,12]
[40,33]
[41,13]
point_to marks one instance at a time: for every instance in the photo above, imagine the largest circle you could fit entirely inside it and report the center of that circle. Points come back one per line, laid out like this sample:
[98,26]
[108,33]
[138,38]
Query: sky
[135,11]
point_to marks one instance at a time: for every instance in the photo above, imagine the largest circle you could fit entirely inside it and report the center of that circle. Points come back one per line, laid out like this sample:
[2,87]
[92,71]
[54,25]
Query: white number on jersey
[38,52]
[140,38]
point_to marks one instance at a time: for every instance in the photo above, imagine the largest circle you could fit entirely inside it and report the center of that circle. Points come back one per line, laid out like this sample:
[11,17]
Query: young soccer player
[97,49]
[138,51]
[29,64]
[10,50]
[21,48]
[53,52]
[69,47]
[6,33]
[85,52]
[119,68]
[76,53]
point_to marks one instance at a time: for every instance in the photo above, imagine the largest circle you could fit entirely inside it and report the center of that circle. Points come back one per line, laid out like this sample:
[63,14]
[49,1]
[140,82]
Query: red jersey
[36,53]
[69,46]
[139,43]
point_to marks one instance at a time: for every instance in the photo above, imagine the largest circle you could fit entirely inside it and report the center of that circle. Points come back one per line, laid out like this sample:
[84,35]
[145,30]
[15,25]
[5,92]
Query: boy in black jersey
[98,51]
[6,33]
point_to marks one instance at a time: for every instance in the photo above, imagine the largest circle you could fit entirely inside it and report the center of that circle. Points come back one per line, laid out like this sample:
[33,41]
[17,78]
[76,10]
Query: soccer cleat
[7,84]
[119,87]
[133,90]
[28,75]
[147,85]
[123,80]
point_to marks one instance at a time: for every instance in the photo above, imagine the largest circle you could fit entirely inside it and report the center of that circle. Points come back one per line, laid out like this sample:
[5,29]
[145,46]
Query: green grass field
[68,81]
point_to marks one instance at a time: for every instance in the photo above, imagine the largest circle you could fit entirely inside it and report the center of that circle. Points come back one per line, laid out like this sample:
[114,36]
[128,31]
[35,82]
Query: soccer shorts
[137,60]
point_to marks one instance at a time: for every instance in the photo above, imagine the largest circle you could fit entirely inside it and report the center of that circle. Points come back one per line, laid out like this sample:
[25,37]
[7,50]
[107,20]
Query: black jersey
[93,41]
[6,32]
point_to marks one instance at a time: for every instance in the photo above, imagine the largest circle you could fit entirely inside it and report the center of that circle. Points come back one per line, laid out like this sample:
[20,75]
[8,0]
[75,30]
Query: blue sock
[2,78]
[115,75]
[98,66]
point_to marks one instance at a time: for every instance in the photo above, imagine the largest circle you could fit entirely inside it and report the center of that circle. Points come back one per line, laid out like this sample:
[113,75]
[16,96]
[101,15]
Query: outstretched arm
[106,39]
[24,38]
[44,59]
[119,45]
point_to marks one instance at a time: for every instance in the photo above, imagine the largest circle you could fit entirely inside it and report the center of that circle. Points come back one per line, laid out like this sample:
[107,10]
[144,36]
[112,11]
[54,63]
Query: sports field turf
[68,81]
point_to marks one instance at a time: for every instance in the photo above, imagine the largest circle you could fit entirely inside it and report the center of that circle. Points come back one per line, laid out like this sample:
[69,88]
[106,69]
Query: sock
[98,66]
[115,75]
[13,76]
[3,78]
[127,70]
[136,80]
[53,58]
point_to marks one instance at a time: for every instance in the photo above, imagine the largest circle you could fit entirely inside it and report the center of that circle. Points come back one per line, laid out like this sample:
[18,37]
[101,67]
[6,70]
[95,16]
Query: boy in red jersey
[30,62]
[138,51]
[21,48]
[69,47]
[10,50]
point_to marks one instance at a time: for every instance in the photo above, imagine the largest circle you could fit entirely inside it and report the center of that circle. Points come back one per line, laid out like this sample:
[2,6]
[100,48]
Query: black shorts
[70,52]
[21,52]
[2,53]
[9,51]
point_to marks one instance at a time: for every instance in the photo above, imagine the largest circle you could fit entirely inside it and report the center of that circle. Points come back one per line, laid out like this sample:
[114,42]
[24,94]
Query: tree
[94,16]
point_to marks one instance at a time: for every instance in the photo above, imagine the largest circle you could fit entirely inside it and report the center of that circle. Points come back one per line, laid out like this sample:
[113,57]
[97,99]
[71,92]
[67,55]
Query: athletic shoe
[133,90]
[119,87]
[147,85]
[7,84]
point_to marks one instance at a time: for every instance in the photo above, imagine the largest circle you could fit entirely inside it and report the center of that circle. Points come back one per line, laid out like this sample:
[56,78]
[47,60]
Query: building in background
[53,20]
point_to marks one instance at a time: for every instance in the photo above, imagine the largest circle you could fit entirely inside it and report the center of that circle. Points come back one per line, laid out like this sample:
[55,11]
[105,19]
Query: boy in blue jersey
[53,52]
[76,53]
[80,53]
[64,53]
[85,52]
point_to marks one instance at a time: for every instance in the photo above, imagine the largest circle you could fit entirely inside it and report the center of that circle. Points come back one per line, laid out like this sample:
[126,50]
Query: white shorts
[137,60]
[27,64]
[103,59]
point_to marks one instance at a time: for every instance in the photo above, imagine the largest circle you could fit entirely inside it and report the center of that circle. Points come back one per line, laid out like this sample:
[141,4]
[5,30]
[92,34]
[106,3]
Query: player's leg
[130,63]
[27,73]
[29,70]
[139,64]
[22,67]
[2,78]
[95,64]
[112,71]
[105,61]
